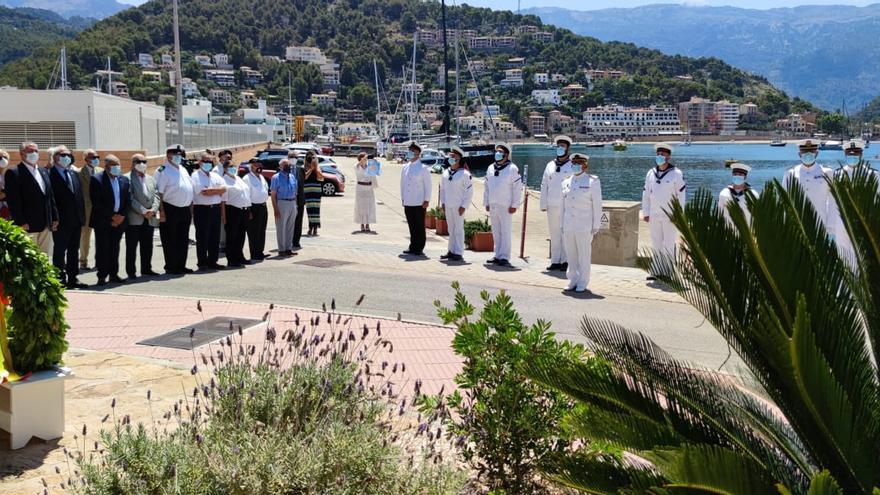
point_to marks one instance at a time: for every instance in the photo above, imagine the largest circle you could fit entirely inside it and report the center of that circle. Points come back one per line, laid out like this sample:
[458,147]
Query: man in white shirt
[208,187]
[555,173]
[812,179]
[663,183]
[456,192]
[236,211]
[501,197]
[415,192]
[259,194]
[174,186]
[737,192]
[30,199]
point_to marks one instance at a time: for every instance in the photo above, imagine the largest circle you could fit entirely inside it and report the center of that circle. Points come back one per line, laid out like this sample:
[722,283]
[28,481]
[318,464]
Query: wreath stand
[34,407]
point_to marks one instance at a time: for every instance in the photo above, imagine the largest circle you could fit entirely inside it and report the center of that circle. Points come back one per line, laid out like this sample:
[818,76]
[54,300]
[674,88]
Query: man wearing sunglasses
[71,216]
[501,197]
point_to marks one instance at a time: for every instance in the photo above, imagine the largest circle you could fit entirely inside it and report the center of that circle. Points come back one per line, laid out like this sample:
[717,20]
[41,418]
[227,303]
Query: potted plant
[478,235]
[430,218]
[442,228]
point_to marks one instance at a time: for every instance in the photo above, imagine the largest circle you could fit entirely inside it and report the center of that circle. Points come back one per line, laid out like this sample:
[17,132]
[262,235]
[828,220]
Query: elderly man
[175,189]
[143,218]
[555,173]
[284,189]
[90,167]
[71,216]
[111,196]
[415,191]
[208,189]
[30,199]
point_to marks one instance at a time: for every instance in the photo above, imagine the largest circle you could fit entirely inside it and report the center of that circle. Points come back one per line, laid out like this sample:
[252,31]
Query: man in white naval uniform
[855,163]
[501,197]
[736,192]
[415,193]
[456,193]
[663,183]
[556,171]
[812,179]
[581,219]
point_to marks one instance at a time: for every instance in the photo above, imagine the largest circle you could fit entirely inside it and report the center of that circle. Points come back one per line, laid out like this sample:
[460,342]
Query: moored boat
[619,145]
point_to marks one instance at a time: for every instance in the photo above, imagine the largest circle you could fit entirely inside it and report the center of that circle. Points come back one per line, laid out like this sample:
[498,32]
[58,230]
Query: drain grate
[323,262]
[206,331]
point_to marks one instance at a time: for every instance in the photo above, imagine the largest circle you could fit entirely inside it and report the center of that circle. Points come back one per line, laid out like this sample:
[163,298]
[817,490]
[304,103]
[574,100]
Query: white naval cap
[582,156]
[563,138]
[175,148]
[457,150]
[854,144]
[663,147]
[740,166]
[503,145]
[413,144]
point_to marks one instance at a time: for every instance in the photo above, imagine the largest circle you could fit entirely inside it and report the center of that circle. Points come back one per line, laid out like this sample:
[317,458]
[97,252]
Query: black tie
[69,182]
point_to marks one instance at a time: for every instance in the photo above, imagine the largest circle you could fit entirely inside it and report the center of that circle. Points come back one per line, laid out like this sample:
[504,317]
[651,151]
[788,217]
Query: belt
[207,206]
[258,204]
[285,199]
[365,183]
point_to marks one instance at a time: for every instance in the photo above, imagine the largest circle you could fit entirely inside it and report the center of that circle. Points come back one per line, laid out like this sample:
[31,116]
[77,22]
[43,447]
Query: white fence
[219,136]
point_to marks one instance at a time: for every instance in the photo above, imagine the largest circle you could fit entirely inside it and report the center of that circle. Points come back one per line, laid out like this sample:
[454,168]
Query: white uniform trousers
[502,226]
[845,247]
[557,245]
[456,230]
[579,247]
[664,235]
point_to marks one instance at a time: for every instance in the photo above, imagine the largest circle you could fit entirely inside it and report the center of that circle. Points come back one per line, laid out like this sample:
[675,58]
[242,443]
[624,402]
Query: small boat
[618,145]
[830,145]
[777,143]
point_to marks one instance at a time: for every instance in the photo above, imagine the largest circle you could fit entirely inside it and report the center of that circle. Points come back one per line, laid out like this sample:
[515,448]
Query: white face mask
[4,162]
[140,167]
[808,158]
[32,157]
[64,161]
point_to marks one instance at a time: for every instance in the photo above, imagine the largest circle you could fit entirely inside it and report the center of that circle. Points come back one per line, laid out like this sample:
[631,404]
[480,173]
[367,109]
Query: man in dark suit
[30,199]
[300,197]
[111,199]
[71,216]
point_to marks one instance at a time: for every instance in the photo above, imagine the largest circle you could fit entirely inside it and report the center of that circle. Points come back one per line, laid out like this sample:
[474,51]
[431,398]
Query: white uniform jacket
[551,183]
[456,189]
[505,189]
[661,186]
[415,184]
[816,188]
[729,194]
[581,203]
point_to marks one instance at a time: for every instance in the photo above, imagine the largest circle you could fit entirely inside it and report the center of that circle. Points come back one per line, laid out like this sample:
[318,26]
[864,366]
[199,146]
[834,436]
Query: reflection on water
[623,172]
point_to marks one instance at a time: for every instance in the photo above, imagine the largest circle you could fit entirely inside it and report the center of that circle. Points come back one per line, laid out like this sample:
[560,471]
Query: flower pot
[442,227]
[430,222]
[482,241]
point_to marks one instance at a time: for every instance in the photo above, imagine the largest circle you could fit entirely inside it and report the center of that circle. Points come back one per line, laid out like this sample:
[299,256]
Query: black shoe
[131,278]
[492,261]
[188,270]
[563,266]
[216,266]
[409,253]
[235,265]
[650,278]
[456,257]
[116,280]
[101,282]
[247,262]
[205,269]
[149,273]
[503,263]
[447,256]
[553,266]
[76,284]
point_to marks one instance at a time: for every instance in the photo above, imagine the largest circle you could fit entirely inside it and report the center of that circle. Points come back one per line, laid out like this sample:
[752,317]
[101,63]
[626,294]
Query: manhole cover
[323,262]
[205,332]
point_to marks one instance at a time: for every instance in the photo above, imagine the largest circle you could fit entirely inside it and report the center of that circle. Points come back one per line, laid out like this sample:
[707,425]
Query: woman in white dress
[365,196]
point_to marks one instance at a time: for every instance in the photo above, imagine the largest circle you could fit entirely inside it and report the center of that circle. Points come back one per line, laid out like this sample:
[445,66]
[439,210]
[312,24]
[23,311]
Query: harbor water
[623,172]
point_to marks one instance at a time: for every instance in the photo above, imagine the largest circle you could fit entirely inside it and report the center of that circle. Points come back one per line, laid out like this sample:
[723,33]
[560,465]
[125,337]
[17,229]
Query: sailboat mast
[64,68]
[109,78]
[289,105]
[455,113]
[412,88]
[445,74]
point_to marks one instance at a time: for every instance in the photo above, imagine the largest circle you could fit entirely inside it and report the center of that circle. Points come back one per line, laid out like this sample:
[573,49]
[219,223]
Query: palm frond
[711,469]
[824,484]
[600,473]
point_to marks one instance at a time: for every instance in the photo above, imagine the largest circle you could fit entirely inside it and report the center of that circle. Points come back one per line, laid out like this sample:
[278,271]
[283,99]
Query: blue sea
[623,172]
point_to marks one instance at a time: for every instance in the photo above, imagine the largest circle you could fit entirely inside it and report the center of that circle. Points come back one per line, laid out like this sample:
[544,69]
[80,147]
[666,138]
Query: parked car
[334,180]
[269,159]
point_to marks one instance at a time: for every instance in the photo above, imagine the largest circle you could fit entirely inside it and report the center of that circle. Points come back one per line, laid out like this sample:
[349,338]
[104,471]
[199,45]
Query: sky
[603,4]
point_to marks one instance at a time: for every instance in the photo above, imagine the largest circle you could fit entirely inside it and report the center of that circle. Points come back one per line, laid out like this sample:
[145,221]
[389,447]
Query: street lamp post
[179,79]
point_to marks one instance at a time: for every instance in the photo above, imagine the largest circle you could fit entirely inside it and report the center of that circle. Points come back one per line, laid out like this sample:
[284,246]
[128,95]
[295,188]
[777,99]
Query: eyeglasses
[137,162]
[69,155]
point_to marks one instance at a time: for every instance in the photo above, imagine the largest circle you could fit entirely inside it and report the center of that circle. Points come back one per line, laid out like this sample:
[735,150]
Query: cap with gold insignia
[808,144]
[413,144]
[503,145]
[581,156]
[458,151]
[663,147]
[854,145]
[563,138]
[741,167]
[175,148]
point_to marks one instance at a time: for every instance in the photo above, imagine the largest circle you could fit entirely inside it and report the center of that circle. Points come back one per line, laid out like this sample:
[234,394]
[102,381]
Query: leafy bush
[506,423]
[304,415]
[473,226]
[37,327]
[440,213]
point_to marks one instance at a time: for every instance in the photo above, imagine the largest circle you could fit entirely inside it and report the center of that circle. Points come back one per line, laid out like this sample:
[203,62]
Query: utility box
[617,242]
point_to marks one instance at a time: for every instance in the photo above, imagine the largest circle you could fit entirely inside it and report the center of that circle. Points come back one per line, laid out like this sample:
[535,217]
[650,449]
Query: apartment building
[614,121]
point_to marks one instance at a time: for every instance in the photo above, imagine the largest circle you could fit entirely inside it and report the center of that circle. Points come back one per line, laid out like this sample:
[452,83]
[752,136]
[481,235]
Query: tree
[809,424]
[361,96]
[832,123]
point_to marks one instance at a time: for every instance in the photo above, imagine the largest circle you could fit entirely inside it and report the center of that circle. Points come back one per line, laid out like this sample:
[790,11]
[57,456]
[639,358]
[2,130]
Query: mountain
[24,30]
[72,8]
[357,32]
[824,54]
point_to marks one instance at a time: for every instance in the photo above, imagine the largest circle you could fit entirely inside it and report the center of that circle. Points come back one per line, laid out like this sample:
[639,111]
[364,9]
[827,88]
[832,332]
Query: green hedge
[37,327]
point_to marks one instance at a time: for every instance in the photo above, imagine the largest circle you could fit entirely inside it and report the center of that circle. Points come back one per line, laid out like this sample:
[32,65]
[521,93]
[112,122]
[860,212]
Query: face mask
[3,162]
[64,161]
[738,180]
[410,155]
[499,156]
[93,162]
[852,160]
[659,160]
[140,167]
[450,161]
[115,170]
[176,159]
[32,158]
[561,151]
[207,166]
[286,168]
[232,170]
[808,159]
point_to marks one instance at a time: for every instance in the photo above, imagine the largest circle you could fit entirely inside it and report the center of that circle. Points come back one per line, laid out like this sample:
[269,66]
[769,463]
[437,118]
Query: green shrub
[473,226]
[296,417]
[506,423]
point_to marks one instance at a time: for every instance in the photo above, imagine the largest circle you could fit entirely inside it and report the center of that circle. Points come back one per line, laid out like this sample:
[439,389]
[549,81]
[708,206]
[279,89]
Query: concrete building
[203,60]
[151,75]
[146,60]
[513,78]
[356,129]
[417,87]
[189,88]
[541,78]
[250,76]
[701,116]
[503,42]
[797,124]
[542,37]
[119,88]
[349,115]
[197,111]
[547,96]
[748,112]
[605,74]
[327,99]
[220,96]
[478,66]
[472,92]
[573,91]
[536,124]
[222,77]
[491,111]
[221,61]
[308,54]
[247,97]
[614,121]
[167,60]
[525,29]
[557,123]
[438,95]
[558,78]
[514,63]
[80,120]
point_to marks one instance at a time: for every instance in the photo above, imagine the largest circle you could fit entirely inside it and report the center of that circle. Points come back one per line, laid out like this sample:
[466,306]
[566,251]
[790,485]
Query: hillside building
[222,77]
[701,116]
[536,124]
[547,97]
[614,121]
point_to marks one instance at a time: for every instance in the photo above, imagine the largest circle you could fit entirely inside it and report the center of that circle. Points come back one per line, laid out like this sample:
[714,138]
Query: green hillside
[356,32]
[25,30]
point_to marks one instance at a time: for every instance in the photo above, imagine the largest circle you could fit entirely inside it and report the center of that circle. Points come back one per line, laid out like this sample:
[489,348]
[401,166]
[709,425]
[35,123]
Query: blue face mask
[853,160]
[561,151]
[176,159]
[65,161]
[94,162]
[115,170]
[659,160]
[207,166]
[738,180]
[808,159]
[499,156]
[232,170]
[450,161]
[410,155]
